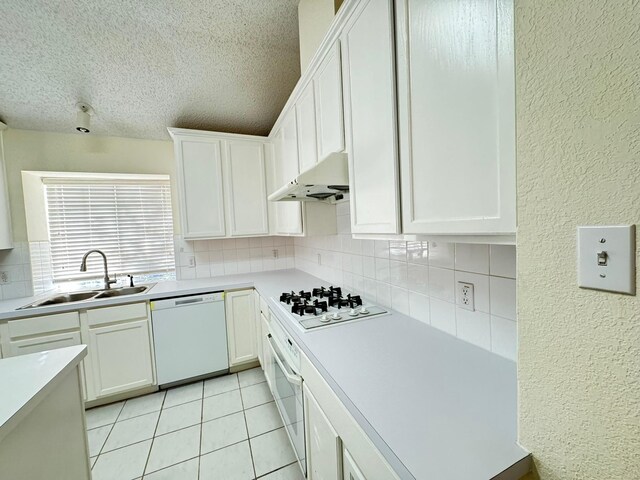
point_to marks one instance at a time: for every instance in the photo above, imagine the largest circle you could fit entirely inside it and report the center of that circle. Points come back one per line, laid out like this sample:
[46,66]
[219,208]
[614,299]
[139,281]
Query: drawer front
[41,344]
[43,325]
[102,316]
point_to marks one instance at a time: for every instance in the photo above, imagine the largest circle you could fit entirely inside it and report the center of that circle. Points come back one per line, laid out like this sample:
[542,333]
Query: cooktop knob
[364,310]
[353,312]
[335,316]
[324,318]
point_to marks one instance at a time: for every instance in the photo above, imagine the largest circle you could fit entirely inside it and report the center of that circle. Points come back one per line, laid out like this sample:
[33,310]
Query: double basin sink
[63,298]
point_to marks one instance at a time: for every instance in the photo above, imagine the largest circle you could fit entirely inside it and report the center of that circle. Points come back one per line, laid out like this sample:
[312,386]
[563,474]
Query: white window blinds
[130,220]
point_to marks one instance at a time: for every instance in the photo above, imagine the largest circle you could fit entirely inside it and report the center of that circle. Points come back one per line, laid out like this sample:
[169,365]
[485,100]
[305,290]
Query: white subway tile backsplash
[400,300]
[419,307]
[398,251]
[441,254]
[381,248]
[16,262]
[441,284]
[398,273]
[443,315]
[502,260]
[474,327]
[382,270]
[235,255]
[480,289]
[418,279]
[472,258]
[504,337]
[503,297]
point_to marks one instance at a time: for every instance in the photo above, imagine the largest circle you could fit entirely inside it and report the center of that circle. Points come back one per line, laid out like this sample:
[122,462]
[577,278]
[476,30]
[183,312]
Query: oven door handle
[291,377]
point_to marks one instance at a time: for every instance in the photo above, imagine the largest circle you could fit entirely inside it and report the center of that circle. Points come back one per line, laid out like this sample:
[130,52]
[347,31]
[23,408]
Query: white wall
[578,151]
[419,279]
[314,18]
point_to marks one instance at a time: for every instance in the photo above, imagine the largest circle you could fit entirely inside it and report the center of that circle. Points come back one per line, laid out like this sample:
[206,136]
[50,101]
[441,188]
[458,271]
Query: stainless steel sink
[118,292]
[88,295]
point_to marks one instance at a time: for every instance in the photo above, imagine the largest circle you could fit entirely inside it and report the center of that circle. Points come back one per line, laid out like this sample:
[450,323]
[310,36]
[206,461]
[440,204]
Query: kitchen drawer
[43,325]
[101,316]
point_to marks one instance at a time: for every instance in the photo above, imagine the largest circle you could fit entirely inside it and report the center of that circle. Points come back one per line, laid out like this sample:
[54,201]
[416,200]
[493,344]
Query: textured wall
[578,84]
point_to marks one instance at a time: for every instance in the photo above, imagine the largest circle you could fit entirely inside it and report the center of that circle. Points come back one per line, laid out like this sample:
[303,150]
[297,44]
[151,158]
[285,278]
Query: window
[128,217]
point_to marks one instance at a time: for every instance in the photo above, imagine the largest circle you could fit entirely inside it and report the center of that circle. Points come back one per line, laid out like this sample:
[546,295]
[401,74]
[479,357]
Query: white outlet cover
[618,275]
[466,297]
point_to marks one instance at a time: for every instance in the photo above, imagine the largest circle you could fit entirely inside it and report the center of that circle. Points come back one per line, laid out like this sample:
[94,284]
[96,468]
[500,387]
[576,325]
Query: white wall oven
[284,379]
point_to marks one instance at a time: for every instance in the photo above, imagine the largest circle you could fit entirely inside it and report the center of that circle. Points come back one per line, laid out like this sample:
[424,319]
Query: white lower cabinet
[42,333]
[120,356]
[350,470]
[241,326]
[324,447]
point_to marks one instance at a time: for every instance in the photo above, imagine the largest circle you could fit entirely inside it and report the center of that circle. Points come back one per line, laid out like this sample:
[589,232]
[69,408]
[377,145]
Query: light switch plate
[606,258]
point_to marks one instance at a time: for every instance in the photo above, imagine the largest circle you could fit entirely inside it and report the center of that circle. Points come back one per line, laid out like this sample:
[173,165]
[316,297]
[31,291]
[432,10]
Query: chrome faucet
[83,267]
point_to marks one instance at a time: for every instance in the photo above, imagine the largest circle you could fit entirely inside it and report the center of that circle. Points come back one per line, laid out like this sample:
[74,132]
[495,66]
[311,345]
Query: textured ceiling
[225,65]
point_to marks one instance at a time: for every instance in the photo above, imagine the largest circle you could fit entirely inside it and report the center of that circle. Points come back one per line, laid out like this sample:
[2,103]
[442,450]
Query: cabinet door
[350,469]
[6,236]
[329,109]
[246,188]
[457,116]
[120,357]
[199,168]
[370,118]
[258,324]
[241,330]
[306,125]
[323,443]
[288,214]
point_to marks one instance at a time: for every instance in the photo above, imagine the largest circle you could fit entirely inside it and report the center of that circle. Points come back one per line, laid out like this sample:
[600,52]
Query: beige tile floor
[223,428]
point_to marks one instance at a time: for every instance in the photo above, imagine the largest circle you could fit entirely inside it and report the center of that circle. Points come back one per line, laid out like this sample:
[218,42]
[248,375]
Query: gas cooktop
[324,306]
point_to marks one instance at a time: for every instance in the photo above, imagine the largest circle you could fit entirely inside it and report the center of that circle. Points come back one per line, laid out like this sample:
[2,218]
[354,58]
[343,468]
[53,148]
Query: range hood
[327,181]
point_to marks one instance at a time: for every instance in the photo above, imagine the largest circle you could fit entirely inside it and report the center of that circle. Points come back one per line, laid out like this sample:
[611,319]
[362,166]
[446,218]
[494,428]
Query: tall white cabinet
[456,116]
[6,236]
[327,83]
[368,63]
[200,185]
[222,186]
[288,214]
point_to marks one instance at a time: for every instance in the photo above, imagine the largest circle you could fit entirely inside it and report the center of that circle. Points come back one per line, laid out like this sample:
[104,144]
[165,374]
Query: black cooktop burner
[304,307]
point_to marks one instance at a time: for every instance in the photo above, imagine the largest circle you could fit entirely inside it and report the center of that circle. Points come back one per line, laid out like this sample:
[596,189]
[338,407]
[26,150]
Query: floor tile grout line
[200,436]
[278,469]
[146,463]
[246,426]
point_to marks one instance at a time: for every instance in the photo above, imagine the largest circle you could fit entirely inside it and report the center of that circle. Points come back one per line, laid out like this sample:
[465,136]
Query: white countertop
[435,406]
[26,380]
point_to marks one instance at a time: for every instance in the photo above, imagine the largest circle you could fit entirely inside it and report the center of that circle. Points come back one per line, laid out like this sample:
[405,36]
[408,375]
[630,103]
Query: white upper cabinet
[6,237]
[288,214]
[222,184]
[368,62]
[328,98]
[200,185]
[306,128]
[457,116]
[246,189]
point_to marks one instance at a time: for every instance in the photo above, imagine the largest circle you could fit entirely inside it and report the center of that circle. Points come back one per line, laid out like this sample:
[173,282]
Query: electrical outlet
[192,261]
[465,296]
[4,278]
[319,259]
[275,253]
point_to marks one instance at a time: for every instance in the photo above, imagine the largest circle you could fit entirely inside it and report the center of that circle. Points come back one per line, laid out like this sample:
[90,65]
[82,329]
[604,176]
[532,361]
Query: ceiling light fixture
[83,118]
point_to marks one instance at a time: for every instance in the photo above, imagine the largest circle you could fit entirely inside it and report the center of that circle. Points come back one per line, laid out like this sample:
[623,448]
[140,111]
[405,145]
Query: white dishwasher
[190,337]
